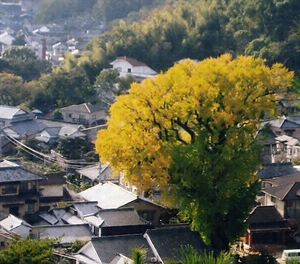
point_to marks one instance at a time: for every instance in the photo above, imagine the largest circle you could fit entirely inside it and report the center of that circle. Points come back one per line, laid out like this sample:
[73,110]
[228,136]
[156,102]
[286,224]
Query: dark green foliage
[21,61]
[57,115]
[92,156]
[74,148]
[201,178]
[190,256]
[19,41]
[67,87]
[139,255]
[27,251]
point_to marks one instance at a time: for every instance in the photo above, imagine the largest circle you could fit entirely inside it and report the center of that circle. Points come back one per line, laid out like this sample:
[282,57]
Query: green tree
[124,84]
[23,62]
[106,82]
[74,148]
[27,251]
[139,255]
[190,256]
[192,130]
[67,87]
[11,88]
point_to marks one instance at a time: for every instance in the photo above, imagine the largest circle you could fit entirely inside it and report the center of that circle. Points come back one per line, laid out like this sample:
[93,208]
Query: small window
[9,189]
[129,70]
[69,115]
[29,207]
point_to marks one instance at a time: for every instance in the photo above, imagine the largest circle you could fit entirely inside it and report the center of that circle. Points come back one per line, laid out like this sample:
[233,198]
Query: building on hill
[85,114]
[139,70]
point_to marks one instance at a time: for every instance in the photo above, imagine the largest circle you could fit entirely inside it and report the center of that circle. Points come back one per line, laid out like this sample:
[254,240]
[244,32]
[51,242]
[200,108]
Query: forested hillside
[200,29]
[196,29]
[53,10]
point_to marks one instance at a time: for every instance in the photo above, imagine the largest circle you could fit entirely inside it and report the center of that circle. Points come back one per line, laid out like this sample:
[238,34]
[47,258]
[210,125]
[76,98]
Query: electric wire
[70,164]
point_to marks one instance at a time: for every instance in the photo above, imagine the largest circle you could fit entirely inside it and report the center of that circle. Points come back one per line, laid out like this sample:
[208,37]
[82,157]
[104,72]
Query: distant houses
[139,70]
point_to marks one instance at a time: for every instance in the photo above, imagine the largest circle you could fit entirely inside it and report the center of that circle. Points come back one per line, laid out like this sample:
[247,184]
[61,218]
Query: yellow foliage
[209,97]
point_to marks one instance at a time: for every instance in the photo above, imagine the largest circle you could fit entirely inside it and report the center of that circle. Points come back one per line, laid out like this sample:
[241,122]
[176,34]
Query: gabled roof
[283,180]
[26,127]
[12,172]
[6,39]
[50,219]
[94,172]
[107,247]
[168,241]
[289,191]
[72,219]
[86,208]
[133,62]
[11,222]
[68,131]
[65,233]
[120,217]
[85,108]
[287,140]
[283,122]
[53,131]
[9,112]
[108,195]
[265,214]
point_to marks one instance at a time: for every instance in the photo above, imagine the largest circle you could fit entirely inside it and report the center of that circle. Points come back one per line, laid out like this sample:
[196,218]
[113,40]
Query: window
[69,115]
[9,189]
[273,199]
[147,215]
[29,207]
[31,185]
[81,117]
[129,70]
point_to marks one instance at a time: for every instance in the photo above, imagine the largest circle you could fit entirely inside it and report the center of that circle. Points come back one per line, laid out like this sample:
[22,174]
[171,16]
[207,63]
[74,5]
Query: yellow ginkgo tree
[193,130]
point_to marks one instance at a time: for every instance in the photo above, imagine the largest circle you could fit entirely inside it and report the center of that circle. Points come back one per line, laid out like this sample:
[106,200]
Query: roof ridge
[87,108]
[291,186]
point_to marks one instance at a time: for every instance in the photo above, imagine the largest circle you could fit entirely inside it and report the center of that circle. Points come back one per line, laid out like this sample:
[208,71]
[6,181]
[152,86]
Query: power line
[70,164]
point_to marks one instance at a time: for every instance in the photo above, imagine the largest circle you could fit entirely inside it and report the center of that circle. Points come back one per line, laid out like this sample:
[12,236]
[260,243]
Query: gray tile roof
[57,123]
[94,172]
[72,219]
[289,191]
[108,247]
[27,127]
[66,233]
[120,217]
[272,170]
[265,214]
[168,241]
[108,195]
[8,112]
[50,219]
[86,208]
[13,173]
[85,108]
[283,180]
